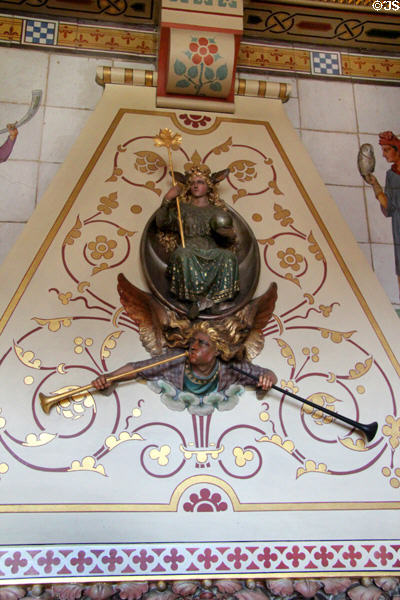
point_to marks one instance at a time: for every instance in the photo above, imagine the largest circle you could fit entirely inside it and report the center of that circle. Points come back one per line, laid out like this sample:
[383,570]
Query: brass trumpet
[369,429]
[47,402]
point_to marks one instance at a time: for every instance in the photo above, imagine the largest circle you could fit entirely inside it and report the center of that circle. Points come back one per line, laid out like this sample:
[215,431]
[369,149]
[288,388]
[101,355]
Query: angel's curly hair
[228,336]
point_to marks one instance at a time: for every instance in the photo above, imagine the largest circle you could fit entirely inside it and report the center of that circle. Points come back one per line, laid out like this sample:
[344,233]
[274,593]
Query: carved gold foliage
[274,187]
[243,170]
[240,194]
[112,441]
[87,463]
[224,147]
[276,439]
[336,336]
[312,467]
[161,455]
[108,203]
[287,352]
[109,344]
[357,446]
[361,368]
[54,324]
[168,139]
[33,439]
[314,248]
[117,172]
[73,233]
[27,357]
[148,162]
[3,468]
[242,456]
[150,185]
[283,215]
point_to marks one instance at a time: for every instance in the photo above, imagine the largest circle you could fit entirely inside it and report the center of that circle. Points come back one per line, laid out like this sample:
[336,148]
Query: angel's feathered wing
[148,314]
[256,315]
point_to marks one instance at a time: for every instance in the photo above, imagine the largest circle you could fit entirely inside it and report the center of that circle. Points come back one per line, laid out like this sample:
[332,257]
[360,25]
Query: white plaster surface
[327,107]
[350,201]
[377,107]
[332,154]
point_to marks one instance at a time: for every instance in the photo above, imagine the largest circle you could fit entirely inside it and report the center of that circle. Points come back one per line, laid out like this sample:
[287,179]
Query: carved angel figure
[203,379]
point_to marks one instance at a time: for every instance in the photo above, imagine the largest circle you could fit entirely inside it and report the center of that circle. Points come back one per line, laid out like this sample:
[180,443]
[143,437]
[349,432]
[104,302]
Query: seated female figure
[204,270]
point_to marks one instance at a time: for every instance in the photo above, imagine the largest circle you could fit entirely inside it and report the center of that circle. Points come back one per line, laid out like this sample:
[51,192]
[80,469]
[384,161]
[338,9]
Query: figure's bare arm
[101,383]
[378,190]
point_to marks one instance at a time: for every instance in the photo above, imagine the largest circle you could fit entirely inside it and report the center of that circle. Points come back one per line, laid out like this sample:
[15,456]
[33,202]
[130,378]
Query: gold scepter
[171,141]
[47,402]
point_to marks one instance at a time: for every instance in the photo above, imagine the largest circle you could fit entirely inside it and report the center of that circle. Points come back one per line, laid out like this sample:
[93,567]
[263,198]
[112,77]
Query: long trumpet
[369,429]
[47,402]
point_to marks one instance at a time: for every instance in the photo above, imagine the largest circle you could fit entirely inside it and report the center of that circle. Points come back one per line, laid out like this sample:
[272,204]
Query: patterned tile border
[232,559]
[134,44]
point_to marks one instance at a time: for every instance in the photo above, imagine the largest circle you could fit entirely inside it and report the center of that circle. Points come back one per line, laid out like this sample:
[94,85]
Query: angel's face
[198,186]
[202,351]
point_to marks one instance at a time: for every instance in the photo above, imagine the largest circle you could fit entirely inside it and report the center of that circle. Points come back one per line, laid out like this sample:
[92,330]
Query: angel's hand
[172,193]
[101,383]
[266,381]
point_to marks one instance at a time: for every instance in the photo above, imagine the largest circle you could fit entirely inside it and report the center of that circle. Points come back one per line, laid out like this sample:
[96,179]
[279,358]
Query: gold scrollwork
[276,439]
[336,336]
[109,344]
[201,454]
[87,463]
[74,233]
[112,441]
[312,467]
[287,352]
[55,323]
[27,357]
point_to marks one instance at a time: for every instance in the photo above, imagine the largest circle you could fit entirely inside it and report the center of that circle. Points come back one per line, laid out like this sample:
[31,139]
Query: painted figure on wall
[7,147]
[203,267]
[389,198]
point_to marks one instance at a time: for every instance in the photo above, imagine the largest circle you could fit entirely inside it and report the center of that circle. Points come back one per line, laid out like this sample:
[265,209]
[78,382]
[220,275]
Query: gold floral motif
[112,441]
[242,456]
[394,481]
[357,446]
[310,298]
[102,247]
[148,162]
[99,268]
[287,352]
[54,324]
[276,439]
[325,310]
[314,248]
[87,463]
[282,215]
[224,147]
[269,241]
[392,431]
[313,352]
[73,233]
[108,203]
[312,467]
[117,172]
[150,185]
[361,368]
[290,259]
[289,385]
[2,421]
[109,344]
[274,187]
[82,285]
[33,439]
[243,170]
[240,194]
[321,399]
[196,162]
[336,336]
[65,298]
[3,468]
[27,357]
[293,279]
[161,455]
[125,232]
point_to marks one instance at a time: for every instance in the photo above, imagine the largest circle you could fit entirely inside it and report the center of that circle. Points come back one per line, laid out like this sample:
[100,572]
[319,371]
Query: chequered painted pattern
[325,63]
[40,32]
[195,559]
